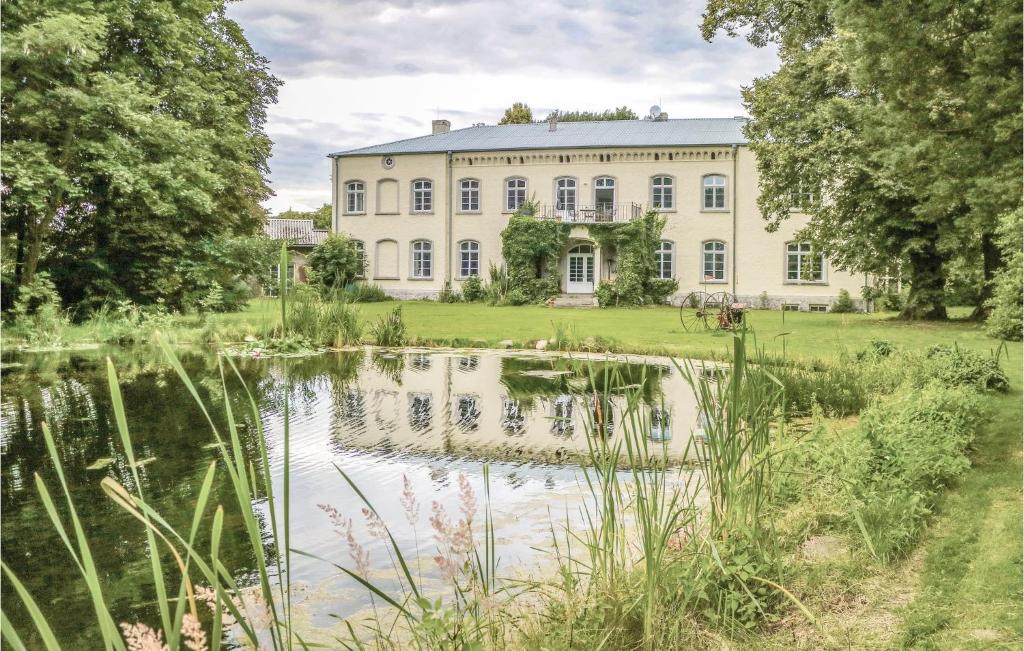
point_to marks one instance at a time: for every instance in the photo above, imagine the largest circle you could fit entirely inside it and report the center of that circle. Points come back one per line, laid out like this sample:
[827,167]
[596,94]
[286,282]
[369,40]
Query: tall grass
[330,321]
[389,329]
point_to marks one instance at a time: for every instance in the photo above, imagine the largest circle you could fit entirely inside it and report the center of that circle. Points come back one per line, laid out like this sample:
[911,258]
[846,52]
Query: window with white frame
[355,197]
[469,195]
[469,259]
[565,193]
[804,197]
[422,259]
[515,194]
[803,265]
[714,192]
[663,259]
[662,197]
[361,255]
[714,261]
[422,195]
[604,193]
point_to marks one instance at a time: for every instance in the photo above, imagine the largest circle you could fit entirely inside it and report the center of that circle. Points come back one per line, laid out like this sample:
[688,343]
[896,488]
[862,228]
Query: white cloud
[361,73]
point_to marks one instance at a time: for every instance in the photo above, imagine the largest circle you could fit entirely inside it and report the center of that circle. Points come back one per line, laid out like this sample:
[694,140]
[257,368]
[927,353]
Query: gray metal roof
[299,231]
[569,135]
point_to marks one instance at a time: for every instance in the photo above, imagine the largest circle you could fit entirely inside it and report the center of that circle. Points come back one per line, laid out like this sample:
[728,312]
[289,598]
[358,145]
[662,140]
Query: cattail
[140,637]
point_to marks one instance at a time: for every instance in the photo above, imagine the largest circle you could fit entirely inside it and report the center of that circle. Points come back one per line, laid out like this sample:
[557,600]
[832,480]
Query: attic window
[521,161]
[712,155]
[508,160]
[670,156]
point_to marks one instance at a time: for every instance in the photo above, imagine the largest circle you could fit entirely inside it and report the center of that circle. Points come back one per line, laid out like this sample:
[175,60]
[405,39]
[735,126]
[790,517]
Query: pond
[389,419]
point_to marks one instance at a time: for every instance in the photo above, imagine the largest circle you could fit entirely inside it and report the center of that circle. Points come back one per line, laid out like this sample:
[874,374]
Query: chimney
[440,126]
[661,117]
[553,122]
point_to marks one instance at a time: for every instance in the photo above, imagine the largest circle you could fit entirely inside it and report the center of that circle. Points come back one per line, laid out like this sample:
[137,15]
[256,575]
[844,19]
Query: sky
[361,72]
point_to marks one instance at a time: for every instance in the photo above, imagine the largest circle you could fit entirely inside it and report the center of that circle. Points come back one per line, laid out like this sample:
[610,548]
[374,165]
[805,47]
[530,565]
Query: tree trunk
[992,259]
[927,299]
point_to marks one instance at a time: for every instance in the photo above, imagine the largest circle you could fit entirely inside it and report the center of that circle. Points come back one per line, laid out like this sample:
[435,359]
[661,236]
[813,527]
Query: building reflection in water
[561,418]
[467,412]
[661,429]
[513,420]
[420,411]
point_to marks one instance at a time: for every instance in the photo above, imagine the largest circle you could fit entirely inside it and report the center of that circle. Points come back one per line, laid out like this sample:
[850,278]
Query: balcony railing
[602,213]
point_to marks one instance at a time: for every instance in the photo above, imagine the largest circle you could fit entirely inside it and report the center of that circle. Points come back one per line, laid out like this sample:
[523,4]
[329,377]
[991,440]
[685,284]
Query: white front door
[580,272]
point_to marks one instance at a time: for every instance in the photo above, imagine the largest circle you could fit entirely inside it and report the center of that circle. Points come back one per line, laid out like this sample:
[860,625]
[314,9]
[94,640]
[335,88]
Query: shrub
[37,315]
[227,262]
[497,289]
[843,303]
[954,366]
[473,289]
[606,294]
[1007,301]
[448,295]
[389,329]
[323,322]
[360,292]
[335,262]
[762,301]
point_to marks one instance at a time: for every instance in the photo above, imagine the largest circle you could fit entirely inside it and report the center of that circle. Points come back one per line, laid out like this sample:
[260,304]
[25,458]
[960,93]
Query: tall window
[361,252]
[663,259]
[714,261]
[515,194]
[714,192]
[661,193]
[422,195]
[565,194]
[803,265]
[355,197]
[805,196]
[469,259]
[422,259]
[604,193]
[469,192]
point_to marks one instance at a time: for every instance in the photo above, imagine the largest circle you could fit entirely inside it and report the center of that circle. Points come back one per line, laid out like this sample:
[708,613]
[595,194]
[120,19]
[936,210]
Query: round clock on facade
[388,162]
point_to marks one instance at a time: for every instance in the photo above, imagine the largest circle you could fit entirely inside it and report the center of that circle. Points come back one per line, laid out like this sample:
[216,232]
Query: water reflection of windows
[386,410]
[467,364]
[421,409]
[513,420]
[561,418]
[352,408]
[420,362]
[467,412]
[661,429]
[700,432]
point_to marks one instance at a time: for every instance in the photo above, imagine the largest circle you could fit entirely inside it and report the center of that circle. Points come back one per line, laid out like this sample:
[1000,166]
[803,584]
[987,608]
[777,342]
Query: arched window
[361,249]
[714,192]
[663,259]
[469,195]
[469,259]
[565,193]
[803,265]
[355,197]
[714,261]
[515,194]
[422,259]
[604,193]
[662,196]
[422,195]
[386,260]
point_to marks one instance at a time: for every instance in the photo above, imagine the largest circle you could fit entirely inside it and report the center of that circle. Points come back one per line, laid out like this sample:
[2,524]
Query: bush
[218,271]
[37,315]
[335,263]
[389,329]
[360,292]
[954,366]
[1007,301]
[448,295]
[323,322]
[473,289]
[843,304]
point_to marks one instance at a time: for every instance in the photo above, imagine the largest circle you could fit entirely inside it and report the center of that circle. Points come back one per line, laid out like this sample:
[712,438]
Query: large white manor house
[431,209]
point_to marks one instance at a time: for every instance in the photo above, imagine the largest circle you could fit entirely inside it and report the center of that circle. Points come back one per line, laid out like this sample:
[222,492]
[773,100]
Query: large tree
[130,132]
[903,116]
[518,113]
[321,216]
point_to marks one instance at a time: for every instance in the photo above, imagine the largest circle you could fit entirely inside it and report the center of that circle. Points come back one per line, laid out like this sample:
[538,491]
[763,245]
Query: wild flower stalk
[412,514]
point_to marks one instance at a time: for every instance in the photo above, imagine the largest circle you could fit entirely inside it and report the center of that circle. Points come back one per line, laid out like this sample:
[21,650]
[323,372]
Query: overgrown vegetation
[636,277]
[335,263]
[532,249]
[389,329]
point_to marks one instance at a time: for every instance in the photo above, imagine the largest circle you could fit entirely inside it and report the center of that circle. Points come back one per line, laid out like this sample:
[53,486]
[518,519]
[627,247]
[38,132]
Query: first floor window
[515,194]
[714,261]
[422,196]
[714,192]
[469,191]
[803,265]
[805,197]
[661,193]
[361,256]
[469,259]
[422,259]
[663,259]
[565,194]
[355,197]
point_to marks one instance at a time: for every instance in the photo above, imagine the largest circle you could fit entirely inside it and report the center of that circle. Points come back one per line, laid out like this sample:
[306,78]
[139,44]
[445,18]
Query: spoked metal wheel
[692,313]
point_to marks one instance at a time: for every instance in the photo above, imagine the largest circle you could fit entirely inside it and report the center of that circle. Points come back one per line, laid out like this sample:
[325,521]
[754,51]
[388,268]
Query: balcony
[602,213]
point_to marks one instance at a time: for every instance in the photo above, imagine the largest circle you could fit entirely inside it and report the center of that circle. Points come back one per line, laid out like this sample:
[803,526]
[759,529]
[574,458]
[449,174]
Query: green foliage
[1007,302]
[448,295]
[636,281]
[335,263]
[329,321]
[125,323]
[518,113]
[363,292]
[496,289]
[125,142]
[473,289]
[37,316]
[219,272]
[957,367]
[531,249]
[321,217]
[389,329]
[619,113]
[843,303]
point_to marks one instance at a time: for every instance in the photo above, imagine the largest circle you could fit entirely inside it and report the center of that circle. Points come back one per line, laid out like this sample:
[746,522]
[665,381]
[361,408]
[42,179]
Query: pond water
[381,416]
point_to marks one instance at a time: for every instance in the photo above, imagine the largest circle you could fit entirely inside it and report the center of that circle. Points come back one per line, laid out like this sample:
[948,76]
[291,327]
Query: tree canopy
[321,216]
[902,119]
[130,133]
[518,113]
[620,113]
